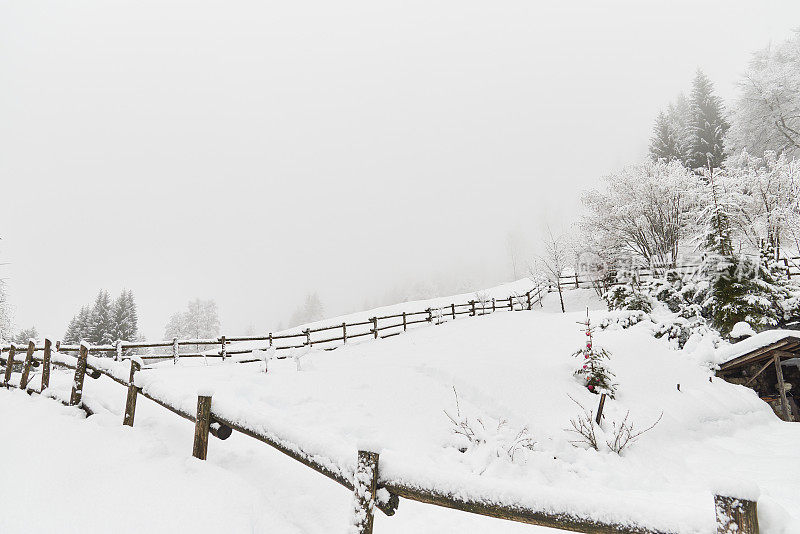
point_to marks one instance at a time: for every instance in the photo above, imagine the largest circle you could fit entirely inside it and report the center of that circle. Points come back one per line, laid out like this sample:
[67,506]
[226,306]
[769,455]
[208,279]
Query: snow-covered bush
[487,438]
[621,435]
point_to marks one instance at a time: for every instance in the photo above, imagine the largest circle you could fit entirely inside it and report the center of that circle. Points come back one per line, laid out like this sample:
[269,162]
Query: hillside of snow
[513,371]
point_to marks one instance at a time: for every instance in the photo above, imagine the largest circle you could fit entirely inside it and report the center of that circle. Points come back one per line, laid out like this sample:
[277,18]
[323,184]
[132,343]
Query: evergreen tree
[708,125]
[593,372]
[23,336]
[125,317]
[101,324]
[663,144]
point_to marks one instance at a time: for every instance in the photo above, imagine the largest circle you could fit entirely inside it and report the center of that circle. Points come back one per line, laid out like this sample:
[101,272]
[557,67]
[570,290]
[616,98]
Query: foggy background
[252,152]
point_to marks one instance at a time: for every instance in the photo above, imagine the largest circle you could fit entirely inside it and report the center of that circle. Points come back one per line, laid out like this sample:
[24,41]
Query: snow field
[514,367]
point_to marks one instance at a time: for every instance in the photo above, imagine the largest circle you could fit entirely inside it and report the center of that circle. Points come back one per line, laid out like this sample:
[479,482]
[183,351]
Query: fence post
[366,486]
[528,294]
[201,427]
[375,326]
[453,309]
[404,321]
[344,333]
[430,315]
[80,373]
[46,365]
[222,350]
[133,391]
[600,408]
[26,369]
[175,351]
[118,355]
[736,516]
[472,303]
[494,305]
[9,364]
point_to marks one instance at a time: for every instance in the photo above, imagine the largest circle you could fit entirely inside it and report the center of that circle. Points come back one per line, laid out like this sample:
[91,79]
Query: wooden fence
[733,514]
[329,336]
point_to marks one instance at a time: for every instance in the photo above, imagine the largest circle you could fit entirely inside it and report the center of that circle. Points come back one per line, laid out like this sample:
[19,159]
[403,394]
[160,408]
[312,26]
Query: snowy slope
[514,366]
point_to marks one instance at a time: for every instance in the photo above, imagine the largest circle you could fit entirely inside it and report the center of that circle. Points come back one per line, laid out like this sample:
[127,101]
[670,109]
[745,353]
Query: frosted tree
[23,336]
[767,113]
[125,317]
[101,330]
[664,143]
[5,313]
[708,125]
[554,261]
[198,321]
[311,310]
[643,213]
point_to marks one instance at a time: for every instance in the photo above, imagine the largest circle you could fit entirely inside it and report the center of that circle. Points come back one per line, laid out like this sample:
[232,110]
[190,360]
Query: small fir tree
[593,371]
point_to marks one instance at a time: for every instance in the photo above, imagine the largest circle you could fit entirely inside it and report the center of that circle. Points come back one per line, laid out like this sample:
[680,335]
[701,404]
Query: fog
[251,152]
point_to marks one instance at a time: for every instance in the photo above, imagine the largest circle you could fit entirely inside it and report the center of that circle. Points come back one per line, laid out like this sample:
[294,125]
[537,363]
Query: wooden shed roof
[761,347]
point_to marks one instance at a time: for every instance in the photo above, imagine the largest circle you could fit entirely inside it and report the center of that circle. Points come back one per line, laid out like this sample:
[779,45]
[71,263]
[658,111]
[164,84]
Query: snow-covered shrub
[621,435]
[626,297]
[487,437]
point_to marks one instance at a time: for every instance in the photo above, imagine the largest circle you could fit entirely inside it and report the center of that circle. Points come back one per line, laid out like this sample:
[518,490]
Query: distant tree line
[105,321]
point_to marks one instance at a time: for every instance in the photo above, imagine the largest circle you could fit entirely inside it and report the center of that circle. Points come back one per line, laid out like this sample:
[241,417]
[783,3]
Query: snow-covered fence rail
[328,337]
[734,513]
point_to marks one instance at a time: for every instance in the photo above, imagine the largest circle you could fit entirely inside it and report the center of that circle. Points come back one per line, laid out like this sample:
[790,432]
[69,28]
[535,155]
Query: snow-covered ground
[392,393]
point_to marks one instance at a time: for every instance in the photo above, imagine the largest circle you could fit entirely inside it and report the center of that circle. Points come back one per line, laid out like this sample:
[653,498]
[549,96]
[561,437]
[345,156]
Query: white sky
[252,151]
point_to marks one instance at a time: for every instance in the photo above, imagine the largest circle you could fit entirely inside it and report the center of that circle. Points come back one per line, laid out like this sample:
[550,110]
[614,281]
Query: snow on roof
[758,341]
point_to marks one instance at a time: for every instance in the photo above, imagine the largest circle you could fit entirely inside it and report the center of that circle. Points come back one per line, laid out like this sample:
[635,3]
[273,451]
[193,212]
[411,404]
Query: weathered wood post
[364,492]
[118,354]
[576,280]
[26,369]
[528,294]
[80,373]
[453,309]
[404,322]
[222,350]
[736,516]
[510,303]
[600,408]
[270,339]
[494,304]
[9,364]
[430,315]
[375,326]
[472,303]
[175,351]
[201,427]
[133,391]
[46,364]
[344,332]
[782,389]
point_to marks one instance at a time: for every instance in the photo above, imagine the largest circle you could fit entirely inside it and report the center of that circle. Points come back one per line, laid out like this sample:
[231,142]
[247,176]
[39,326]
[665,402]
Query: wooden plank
[782,390]
[46,364]
[130,401]
[749,357]
[364,493]
[201,427]
[9,364]
[562,521]
[26,368]
[80,372]
[735,516]
[769,362]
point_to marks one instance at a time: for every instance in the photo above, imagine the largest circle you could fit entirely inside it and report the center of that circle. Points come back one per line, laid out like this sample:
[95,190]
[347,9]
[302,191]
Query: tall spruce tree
[125,317]
[663,144]
[102,326]
[708,125]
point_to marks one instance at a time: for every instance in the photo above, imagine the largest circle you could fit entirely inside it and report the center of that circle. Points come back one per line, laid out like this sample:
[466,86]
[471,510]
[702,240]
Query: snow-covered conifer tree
[708,125]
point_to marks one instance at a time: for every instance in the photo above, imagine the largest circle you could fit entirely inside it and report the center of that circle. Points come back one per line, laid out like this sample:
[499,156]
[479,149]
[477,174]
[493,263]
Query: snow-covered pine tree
[739,288]
[593,371]
[708,125]
[664,144]
[101,329]
[125,317]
